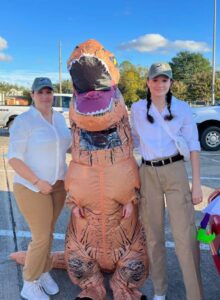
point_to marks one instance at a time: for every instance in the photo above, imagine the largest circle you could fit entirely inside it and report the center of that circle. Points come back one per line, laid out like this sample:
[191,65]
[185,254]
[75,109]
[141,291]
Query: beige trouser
[170,181]
[41,212]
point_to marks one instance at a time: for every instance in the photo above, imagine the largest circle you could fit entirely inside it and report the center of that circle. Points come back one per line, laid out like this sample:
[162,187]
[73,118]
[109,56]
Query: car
[11,107]
[207,119]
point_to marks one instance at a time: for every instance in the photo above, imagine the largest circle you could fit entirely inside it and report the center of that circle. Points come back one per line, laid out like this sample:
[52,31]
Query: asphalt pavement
[15,236]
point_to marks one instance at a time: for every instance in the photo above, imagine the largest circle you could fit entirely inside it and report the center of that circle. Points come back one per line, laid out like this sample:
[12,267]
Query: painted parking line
[27,234]
[61,236]
[8,171]
[207,178]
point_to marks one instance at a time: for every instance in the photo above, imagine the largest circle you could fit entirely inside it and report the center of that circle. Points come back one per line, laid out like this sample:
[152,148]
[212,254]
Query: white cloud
[5,57]
[3,46]
[155,42]
[25,77]
[3,43]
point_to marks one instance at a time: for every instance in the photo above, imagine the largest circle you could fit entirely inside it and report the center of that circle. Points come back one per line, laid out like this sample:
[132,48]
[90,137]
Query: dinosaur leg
[85,272]
[131,272]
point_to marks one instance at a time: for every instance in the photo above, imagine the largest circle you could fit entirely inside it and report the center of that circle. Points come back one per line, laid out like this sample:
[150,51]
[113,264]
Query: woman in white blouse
[163,176]
[39,140]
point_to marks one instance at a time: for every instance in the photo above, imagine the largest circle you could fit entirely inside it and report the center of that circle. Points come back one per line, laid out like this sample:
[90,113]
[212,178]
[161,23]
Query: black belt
[162,162]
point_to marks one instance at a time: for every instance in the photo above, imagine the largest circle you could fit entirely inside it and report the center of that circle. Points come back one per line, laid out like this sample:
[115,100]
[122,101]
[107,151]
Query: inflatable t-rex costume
[102,178]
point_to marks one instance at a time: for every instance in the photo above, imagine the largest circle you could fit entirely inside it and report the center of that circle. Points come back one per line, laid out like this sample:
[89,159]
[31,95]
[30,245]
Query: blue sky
[140,31]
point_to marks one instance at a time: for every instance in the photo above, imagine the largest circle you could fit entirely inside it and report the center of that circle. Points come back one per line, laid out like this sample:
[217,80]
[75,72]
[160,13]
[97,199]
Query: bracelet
[34,183]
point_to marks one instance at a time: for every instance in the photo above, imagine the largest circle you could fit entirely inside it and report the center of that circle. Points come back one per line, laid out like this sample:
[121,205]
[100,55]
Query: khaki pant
[41,212]
[170,181]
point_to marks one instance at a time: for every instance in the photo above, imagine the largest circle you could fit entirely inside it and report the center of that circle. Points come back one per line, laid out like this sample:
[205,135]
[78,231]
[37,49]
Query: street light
[213,54]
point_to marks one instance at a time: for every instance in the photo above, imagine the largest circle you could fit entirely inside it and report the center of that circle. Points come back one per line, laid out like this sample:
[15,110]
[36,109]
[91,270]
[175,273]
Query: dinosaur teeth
[100,112]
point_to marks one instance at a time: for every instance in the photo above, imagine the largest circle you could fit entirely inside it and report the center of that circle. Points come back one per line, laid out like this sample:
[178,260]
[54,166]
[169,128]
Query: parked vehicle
[207,119]
[11,107]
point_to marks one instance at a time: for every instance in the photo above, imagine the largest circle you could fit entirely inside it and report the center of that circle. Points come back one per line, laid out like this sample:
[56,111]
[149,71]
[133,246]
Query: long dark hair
[168,101]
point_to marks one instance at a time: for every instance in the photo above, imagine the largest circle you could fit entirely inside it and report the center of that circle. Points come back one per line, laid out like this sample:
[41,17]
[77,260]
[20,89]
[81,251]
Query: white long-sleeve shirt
[152,140]
[40,145]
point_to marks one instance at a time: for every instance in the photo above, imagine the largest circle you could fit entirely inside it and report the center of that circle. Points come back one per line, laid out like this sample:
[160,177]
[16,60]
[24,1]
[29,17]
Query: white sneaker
[48,284]
[156,297]
[32,290]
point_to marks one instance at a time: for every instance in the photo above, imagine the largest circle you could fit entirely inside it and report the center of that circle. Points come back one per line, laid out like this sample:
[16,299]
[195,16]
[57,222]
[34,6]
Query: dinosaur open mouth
[89,73]
[93,85]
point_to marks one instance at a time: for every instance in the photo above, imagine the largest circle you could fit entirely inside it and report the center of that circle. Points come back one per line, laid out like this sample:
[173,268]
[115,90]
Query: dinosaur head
[95,76]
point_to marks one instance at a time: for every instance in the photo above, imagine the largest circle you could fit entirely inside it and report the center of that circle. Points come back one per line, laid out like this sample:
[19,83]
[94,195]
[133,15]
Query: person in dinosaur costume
[104,233]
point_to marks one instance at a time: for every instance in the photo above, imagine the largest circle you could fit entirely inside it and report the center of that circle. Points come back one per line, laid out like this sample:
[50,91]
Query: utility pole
[60,68]
[213,54]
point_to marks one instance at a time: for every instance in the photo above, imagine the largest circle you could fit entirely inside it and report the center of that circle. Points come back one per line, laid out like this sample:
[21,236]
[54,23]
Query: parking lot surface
[15,235]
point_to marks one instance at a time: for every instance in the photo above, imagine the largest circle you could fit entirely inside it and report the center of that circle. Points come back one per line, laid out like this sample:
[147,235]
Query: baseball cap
[40,83]
[158,69]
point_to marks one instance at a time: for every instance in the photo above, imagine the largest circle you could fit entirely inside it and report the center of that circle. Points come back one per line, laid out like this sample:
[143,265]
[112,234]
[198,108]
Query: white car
[9,111]
[207,119]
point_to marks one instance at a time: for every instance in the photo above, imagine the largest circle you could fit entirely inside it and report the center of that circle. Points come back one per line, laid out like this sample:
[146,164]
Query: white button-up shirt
[40,145]
[151,140]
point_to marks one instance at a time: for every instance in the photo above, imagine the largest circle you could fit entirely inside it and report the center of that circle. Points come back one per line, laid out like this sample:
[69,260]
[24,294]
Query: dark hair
[168,101]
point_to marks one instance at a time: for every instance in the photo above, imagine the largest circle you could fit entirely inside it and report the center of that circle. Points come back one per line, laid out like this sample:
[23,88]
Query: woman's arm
[196,184]
[25,172]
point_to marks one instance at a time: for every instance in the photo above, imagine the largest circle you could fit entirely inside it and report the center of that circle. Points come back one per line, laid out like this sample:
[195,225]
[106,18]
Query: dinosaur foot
[92,293]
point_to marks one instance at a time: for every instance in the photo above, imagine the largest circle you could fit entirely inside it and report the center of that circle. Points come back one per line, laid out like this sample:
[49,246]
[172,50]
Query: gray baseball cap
[40,83]
[158,69]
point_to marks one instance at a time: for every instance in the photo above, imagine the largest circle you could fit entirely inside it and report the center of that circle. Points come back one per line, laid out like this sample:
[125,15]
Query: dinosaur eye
[113,59]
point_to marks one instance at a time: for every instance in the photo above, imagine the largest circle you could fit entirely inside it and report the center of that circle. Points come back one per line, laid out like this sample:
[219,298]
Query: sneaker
[32,290]
[156,297]
[48,284]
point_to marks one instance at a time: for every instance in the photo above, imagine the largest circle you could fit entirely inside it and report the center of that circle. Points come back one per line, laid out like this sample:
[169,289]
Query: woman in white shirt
[163,176]
[39,140]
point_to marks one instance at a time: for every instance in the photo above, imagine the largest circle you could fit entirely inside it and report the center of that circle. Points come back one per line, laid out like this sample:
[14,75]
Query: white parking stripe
[61,236]
[206,178]
[8,171]
[27,234]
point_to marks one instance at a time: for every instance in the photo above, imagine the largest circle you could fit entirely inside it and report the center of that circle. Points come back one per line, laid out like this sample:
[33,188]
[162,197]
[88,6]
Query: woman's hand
[44,186]
[196,194]
[127,210]
[78,212]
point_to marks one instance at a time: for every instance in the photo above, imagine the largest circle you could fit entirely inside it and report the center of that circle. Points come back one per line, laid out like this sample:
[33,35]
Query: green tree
[67,87]
[200,87]
[132,82]
[179,90]
[186,64]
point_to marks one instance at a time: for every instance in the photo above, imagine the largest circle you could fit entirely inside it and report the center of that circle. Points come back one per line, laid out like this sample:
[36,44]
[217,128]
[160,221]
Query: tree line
[192,74]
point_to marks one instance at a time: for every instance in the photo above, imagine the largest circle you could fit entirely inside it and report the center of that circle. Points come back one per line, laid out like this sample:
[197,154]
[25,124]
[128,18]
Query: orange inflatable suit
[104,233]
[102,181]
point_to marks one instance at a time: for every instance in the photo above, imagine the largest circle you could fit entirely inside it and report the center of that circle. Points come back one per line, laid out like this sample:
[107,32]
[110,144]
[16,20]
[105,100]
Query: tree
[179,90]
[132,82]
[186,64]
[200,87]
[67,87]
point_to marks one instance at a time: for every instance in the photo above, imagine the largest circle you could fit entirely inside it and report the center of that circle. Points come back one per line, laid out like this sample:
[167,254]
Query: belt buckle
[152,162]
